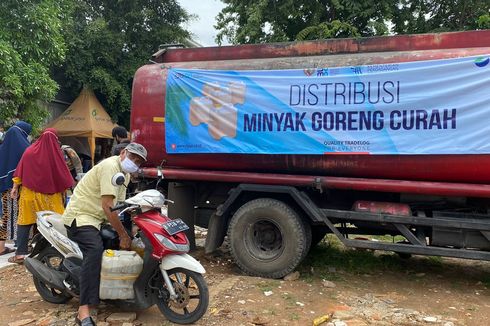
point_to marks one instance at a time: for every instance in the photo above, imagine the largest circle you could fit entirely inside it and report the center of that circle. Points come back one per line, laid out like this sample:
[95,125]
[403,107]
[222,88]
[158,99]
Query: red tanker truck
[274,206]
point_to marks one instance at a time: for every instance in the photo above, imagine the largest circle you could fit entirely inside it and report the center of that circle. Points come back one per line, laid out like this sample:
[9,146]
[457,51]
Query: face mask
[129,166]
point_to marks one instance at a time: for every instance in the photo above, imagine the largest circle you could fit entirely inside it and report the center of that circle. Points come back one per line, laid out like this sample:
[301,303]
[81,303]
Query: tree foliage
[424,16]
[246,21]
[110,39]
[31,42]
[327,30]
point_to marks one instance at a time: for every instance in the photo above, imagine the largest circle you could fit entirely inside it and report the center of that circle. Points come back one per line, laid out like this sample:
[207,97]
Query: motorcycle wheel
[53,259]
[193,297]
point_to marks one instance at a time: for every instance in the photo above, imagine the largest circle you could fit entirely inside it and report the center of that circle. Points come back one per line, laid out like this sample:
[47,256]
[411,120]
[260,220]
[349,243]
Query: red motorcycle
[166,275]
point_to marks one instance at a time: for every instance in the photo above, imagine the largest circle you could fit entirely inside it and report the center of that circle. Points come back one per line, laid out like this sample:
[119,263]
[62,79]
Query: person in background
[88,208]
[82,148]
[72,161]
[86,162]
[44,177]
[121,140]
[11,150]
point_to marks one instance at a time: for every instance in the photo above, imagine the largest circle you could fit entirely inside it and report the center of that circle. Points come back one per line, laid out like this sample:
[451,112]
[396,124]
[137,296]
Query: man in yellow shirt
[88,208]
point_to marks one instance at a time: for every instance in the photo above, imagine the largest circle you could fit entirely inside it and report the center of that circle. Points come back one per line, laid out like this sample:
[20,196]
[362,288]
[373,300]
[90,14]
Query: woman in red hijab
[43,177]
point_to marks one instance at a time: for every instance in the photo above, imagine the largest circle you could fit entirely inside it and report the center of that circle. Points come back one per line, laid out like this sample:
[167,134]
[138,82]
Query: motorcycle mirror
[118,179]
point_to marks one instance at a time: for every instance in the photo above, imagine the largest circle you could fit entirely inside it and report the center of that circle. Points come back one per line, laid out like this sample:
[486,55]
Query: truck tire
[268,238]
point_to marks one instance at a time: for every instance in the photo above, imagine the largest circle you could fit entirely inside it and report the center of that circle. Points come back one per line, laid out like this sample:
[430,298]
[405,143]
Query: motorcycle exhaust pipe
[48,276]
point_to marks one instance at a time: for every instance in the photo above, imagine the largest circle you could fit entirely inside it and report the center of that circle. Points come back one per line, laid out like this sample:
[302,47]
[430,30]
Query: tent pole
[92,147]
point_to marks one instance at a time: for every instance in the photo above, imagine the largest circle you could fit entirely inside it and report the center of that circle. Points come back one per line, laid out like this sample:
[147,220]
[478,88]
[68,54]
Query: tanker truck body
[278,194]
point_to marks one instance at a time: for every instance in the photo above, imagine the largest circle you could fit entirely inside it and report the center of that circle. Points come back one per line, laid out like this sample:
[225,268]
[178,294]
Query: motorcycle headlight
[170,245]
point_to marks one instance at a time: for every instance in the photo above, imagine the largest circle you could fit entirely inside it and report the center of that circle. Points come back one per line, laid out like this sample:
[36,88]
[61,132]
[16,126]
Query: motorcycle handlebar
[119,206]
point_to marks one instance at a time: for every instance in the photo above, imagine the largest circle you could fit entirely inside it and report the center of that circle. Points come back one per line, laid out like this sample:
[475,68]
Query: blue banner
[424,107]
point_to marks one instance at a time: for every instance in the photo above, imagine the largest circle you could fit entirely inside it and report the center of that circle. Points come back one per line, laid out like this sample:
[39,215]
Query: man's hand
[124,242]
[124,239]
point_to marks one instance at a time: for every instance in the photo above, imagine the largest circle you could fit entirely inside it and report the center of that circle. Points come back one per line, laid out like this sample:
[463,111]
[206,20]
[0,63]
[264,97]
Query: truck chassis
[271,227]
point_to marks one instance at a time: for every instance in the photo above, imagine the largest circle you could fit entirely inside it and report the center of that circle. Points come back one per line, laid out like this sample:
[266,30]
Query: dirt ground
[422,291]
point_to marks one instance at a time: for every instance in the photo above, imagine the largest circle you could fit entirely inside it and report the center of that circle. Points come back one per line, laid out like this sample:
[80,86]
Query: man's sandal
[7,251]
[16,260]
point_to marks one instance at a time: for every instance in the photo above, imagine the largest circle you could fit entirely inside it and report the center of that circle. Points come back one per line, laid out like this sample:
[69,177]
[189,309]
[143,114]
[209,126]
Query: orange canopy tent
[85,117]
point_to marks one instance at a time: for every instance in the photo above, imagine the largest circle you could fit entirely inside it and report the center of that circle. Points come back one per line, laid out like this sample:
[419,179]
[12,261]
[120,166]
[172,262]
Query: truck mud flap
[216,233]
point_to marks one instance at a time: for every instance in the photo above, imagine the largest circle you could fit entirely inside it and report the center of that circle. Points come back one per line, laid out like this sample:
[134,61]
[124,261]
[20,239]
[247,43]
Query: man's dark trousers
[91,245]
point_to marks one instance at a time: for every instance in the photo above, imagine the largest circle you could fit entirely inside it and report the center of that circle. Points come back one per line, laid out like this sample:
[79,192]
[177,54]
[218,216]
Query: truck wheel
[268,238]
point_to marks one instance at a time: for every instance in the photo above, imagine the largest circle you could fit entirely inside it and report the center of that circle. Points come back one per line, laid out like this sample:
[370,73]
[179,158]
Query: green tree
[110,39]
[247,21]
[484,21]
[425,16]
[31,42]
[327,30]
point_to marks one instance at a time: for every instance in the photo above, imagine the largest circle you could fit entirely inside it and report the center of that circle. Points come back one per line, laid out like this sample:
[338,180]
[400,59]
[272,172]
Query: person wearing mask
[88,209]
[121,140]
[11,150]
[43,178]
